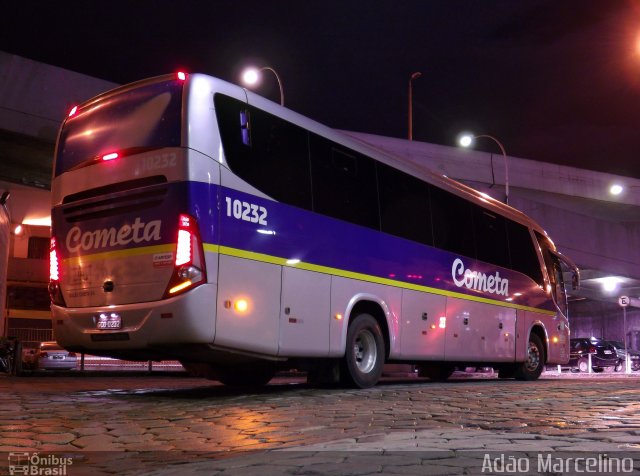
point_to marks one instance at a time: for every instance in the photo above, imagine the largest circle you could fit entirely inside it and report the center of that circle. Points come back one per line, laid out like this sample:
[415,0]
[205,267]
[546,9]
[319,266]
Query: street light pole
[415,75]
[251,76]
[467,140]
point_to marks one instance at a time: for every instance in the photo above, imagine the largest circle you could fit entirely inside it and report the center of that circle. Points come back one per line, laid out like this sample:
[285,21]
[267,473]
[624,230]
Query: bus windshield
[146,117]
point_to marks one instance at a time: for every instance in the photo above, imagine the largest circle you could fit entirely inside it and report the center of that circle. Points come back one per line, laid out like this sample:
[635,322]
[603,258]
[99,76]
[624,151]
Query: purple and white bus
[195,220]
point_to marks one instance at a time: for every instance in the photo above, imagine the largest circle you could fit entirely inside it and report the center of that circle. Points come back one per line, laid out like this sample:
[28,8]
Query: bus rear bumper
[143,329]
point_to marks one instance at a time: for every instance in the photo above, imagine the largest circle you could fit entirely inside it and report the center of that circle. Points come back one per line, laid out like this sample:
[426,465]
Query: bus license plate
[109,321]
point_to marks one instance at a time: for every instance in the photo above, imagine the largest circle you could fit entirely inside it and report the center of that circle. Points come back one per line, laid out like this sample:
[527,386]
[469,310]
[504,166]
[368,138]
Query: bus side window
[269,153]
[344,183]
[452,223]
[491,237]
[522,252]
[404,205]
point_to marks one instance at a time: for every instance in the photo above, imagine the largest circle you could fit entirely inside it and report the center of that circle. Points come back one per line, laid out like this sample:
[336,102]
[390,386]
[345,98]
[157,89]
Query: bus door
[555,264]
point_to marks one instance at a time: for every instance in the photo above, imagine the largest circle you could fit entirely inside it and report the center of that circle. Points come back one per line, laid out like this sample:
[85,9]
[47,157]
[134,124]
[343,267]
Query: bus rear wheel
[532,367]
[364,354]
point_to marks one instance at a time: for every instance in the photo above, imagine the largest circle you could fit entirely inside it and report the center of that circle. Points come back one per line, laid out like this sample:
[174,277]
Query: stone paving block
[15,426]
[134,438]
[18,434]
[56,438]
[87,431]
[101,442]
[16,442]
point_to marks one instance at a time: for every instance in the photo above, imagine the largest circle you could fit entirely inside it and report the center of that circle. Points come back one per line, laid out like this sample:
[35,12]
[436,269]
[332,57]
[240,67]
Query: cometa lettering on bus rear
[138,232]
[478,281]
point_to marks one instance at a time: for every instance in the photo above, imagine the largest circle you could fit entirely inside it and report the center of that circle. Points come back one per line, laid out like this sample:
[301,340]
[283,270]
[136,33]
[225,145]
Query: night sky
[554,80]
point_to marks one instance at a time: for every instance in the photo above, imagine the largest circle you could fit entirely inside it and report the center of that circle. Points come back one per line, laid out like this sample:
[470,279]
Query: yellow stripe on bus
[238,253]
[146,250]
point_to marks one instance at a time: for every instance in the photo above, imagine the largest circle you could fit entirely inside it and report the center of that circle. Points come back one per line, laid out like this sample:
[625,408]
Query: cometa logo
[138,232]
[478,281]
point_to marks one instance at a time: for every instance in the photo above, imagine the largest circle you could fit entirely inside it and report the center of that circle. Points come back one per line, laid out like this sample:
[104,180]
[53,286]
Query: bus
[196,221]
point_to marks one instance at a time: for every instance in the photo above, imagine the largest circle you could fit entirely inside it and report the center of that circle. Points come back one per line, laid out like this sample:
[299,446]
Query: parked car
[30,351]
[603,354]
[53,357]
[634,356]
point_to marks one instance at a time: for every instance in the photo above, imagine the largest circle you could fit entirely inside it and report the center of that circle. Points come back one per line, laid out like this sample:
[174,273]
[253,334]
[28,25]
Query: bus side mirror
[575,279]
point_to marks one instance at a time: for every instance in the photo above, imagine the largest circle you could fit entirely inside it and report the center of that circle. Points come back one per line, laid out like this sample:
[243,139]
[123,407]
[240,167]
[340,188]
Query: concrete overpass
[599,231]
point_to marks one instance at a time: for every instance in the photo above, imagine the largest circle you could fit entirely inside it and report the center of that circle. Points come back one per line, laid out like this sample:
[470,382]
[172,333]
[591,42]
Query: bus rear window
[146,117]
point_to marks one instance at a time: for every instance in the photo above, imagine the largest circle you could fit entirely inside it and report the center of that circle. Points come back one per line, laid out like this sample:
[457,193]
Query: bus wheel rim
[533,357]
[365,351]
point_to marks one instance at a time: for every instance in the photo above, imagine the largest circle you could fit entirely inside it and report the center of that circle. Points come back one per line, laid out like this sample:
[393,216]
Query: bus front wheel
[531,368]
[364,354]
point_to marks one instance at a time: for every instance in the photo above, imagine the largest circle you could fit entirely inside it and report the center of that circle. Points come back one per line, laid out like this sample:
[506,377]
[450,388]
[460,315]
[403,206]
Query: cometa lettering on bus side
[478,281]
[138,232]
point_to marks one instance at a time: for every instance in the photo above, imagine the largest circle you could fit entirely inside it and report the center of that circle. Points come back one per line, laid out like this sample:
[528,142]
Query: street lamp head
[416,75]
[616,189]
[250,76]
[466,140]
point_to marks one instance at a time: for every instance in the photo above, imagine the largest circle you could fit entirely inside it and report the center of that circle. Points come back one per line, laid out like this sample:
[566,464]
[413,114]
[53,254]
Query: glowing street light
[415,75]
[251,77]
[467,140]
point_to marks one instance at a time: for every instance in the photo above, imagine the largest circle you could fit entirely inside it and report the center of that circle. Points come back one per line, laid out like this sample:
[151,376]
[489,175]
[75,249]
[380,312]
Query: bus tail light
[189,266]
[54,275]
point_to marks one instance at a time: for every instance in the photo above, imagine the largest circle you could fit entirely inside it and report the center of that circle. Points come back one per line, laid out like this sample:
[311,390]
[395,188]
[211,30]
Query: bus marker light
[555,339]
[73,111]
[110,156]
[443,322]
[241,305]
[338,317]
[182,75]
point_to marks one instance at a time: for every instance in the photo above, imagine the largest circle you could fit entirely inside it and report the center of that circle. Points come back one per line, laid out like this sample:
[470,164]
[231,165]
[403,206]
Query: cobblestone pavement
[178,425]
